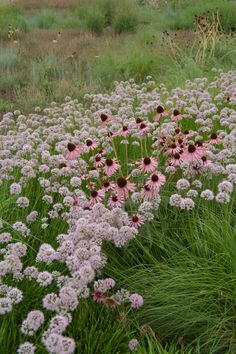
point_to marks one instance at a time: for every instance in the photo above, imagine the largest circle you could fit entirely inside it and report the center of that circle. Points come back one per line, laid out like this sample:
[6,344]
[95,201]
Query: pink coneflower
[96,196]
[99,161]
[124,131]
[111,166]
[111,302]
[74,151]
[144,128]
[193,152]
[188,133]
[181,141]
[139,121]
[107,186]
[104,119]
[148,164]
[176,160]
[90,185]
[91,145]
[176,115]
[62,165]
[160,113]
[137,220]
[85,177]
[214,139]
[123,186]
[98,296]
[156,181]
[147,192]
[173,149]
[110,135]
[205,161]
[116,200]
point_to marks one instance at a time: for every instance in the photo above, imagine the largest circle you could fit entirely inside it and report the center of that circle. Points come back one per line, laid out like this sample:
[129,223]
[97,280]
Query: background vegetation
[50,49]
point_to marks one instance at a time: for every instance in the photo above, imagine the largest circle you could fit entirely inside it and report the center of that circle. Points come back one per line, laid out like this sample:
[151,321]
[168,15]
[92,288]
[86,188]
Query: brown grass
[70,44]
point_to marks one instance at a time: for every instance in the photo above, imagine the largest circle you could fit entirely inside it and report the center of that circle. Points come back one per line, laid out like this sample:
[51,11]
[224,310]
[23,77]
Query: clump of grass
[108,7]
[45,19]
[125,21]
[95,21]
[8,58]
[192,266]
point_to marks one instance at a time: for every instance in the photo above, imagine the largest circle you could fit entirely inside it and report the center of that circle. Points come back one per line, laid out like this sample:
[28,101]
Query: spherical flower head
[46,254]
[182,184]
[68,298]
[51,302]
[175,200]
[207,194]
[225,187]
[32,322]
[222,198]
[15,188]
[187,203]
[44,278]
[22,202]
[5,237]
[109,283]
[58,344]
[133,344]
[5,305]
[32,216]
[15,295]
[58,324]
[26,348]
[136,300]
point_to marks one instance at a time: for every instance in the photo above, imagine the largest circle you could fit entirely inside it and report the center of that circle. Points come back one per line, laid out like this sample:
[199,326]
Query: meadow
[117,177]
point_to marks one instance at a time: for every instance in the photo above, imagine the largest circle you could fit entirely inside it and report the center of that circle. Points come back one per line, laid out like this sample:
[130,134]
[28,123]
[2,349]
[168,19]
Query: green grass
[9,59]
[192,267]
[125,22]
[96,21]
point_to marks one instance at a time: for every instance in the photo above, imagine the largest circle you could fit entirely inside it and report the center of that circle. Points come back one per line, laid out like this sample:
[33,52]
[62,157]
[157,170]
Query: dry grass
[64,44]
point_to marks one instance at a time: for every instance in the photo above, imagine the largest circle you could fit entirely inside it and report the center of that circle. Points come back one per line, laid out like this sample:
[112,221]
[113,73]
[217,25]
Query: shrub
[125,22]
[96,21]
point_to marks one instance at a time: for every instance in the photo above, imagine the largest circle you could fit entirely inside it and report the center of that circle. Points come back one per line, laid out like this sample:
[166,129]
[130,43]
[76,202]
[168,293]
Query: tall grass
[187,275]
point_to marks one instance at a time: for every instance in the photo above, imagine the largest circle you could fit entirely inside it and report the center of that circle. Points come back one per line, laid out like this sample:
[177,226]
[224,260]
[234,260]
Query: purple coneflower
[111,166]
[148,164]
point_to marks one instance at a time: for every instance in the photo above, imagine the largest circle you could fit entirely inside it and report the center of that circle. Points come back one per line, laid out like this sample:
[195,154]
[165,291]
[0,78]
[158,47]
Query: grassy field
[114,75]
[60,48]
